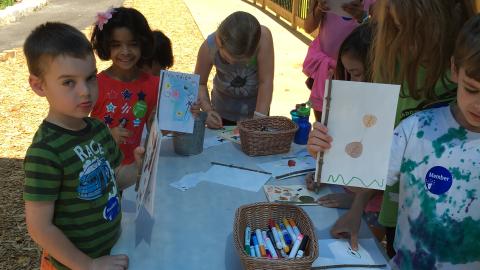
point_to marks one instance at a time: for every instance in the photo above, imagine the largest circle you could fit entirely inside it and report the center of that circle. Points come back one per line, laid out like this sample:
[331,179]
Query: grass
[6,3]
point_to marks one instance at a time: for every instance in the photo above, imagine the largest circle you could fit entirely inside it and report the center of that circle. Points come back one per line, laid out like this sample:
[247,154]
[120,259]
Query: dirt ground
[21,112]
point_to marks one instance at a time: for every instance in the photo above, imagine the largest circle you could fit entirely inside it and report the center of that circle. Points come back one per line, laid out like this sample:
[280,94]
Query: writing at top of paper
[361,121]
[177,91]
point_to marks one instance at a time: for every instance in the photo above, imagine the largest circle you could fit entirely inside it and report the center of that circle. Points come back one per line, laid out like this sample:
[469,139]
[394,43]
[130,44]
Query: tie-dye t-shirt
[436,163]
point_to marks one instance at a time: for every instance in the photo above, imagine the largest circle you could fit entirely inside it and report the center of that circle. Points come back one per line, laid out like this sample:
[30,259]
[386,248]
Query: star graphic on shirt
[137,122]
[123,121]
[141,95]
[126,94]
[112,94]
[107,119]
[111,107]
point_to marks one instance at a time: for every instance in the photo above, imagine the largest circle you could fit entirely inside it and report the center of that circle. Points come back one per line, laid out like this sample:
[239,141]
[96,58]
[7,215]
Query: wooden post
[294,14]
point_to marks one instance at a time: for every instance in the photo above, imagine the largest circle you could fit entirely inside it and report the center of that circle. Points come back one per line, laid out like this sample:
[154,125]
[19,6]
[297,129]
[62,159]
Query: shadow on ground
[17,250]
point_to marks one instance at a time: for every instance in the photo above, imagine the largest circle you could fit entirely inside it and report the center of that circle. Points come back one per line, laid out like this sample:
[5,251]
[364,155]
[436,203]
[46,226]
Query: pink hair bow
[103,17]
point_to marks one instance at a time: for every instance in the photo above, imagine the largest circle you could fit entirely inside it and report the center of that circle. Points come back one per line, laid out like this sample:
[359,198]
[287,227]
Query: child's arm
[349,224]
[120,134]
[316,13]
[127,175]
[266,65]
[203,67]
[39,216]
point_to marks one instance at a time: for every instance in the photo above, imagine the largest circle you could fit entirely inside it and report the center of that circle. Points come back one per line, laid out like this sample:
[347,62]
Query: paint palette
[230,133]
[293,194]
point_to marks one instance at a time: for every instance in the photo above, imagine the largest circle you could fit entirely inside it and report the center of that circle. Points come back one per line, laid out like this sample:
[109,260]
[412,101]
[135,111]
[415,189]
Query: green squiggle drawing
[334,180]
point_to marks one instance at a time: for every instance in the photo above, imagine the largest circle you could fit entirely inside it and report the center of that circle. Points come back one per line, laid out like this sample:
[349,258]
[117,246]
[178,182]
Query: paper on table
[188,181]
[338,252]
[213,141]
[237,178]
[281,167]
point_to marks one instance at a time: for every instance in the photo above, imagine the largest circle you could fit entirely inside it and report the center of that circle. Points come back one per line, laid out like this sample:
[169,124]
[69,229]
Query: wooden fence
[293,11]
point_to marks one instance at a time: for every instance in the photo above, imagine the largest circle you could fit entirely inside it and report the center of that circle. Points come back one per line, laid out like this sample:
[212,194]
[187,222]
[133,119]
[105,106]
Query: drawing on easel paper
[147,183]
[355,149]
[178,91]
[361,120]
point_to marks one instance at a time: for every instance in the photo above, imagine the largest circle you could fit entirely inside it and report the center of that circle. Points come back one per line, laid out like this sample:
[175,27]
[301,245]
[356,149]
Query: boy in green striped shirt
[72,173]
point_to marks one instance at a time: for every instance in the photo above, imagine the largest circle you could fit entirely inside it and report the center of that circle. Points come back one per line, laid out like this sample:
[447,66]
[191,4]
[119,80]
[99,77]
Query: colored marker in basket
[255,245]
[286,248]
[248,233]
[289,229]
[286,235]
[303,245]
[294,226]
[271,248]
[296,246]
[261,243]
[252,247]
[276,238]
[270,235]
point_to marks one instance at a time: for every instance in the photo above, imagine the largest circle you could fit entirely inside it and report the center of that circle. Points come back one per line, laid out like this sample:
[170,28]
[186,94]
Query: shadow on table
[232,260]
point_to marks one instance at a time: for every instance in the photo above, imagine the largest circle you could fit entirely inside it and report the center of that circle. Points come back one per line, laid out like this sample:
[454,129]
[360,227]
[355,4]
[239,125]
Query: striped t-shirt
[76,170]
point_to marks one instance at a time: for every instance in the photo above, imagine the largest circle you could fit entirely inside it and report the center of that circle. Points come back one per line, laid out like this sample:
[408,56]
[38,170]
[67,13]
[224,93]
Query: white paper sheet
[237,178]
[338,252]
[361,122]
[188,181]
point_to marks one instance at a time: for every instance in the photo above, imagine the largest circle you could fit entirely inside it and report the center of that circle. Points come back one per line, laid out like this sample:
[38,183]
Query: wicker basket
[267,135]
[256,216]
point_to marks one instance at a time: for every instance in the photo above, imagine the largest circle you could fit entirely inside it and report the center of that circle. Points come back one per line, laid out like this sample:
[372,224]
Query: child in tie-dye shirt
[435,158]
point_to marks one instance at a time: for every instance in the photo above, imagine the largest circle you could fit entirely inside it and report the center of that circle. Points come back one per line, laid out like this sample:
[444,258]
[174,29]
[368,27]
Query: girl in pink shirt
[353,59]
[320,61]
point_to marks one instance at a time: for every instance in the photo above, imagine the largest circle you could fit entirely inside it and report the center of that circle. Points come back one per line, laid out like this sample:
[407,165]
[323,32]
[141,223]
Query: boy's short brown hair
[53,39]
[467,48]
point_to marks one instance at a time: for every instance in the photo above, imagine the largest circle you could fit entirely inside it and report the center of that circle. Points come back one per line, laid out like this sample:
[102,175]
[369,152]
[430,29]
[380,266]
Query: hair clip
[103,17]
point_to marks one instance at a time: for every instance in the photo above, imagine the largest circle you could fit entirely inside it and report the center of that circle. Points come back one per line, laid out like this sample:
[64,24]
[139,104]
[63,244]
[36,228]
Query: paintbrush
[238,167]
[318,172]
